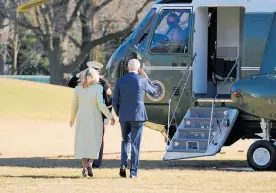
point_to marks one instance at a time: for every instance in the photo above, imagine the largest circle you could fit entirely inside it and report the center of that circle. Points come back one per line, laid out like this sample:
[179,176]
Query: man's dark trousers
[131,134]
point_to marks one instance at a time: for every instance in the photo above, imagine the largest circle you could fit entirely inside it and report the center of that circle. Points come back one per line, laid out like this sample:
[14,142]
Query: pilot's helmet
[173,19]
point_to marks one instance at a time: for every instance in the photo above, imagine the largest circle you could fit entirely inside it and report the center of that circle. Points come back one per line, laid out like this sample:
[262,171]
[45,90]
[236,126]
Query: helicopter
[212,63]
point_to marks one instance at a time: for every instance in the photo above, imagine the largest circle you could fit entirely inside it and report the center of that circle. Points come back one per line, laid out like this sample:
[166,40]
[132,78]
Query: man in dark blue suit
[128,104]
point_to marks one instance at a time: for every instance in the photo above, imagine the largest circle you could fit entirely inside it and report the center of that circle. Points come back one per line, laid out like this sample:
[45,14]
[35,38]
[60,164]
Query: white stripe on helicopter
[252,6]
[191,68]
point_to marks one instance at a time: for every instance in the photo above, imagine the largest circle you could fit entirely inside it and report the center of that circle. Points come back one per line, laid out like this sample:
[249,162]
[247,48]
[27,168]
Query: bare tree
[1,64]
[52,25]
[3,38]
[109,36]
[15,36]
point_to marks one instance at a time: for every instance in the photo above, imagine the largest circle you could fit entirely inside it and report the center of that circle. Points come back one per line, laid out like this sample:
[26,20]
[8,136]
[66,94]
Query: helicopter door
[168,54]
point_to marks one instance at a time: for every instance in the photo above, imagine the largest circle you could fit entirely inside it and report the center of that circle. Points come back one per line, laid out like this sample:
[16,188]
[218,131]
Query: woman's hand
[71,123]
[112,121]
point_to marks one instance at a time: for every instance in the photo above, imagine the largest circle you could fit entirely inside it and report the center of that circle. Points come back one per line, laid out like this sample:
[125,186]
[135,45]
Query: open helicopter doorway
[218,44]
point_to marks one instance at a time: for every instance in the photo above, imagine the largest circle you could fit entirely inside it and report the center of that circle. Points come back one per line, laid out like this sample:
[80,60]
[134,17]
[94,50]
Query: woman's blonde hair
[88,76]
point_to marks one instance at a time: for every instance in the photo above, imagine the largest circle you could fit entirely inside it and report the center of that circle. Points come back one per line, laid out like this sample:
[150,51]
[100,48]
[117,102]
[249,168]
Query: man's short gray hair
[134,64]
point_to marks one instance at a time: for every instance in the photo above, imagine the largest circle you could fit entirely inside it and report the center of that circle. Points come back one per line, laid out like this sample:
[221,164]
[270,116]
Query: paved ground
[42,139]
[22,138]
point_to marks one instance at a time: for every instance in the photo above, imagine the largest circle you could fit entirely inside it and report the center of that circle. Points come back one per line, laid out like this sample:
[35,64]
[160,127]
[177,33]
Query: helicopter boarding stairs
[194,136]
[203,130]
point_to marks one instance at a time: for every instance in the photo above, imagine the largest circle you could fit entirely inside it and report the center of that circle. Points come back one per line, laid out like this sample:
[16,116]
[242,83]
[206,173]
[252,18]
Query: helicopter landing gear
[261,155]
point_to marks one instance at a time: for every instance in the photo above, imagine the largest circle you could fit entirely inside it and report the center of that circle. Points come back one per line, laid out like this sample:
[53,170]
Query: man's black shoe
[123,171]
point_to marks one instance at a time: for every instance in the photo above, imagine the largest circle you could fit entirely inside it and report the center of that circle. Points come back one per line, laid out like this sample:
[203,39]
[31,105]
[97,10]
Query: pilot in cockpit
[175,32]
[169,36]
[177,36]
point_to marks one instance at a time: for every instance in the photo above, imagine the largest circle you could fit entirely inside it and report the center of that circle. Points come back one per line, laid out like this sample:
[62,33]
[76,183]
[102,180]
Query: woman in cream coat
[87,106]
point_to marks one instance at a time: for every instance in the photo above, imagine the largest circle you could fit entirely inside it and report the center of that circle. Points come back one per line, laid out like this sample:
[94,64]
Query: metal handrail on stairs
[213,102]
[187,75]
[219,128]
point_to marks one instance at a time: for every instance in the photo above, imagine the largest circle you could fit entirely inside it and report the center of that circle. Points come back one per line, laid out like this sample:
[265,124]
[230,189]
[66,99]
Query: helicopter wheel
[261,156]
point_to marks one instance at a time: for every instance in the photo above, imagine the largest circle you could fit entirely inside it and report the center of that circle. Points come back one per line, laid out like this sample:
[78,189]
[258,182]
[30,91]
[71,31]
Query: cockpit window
[117,64]
[172,32]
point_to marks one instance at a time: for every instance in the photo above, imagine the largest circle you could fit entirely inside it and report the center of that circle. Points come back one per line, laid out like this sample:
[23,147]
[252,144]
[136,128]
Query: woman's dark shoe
[90,172]
[84,172]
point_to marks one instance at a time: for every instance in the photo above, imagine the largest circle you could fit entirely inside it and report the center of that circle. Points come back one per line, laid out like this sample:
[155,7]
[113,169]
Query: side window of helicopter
[141,38]
[171,34]
[142,42]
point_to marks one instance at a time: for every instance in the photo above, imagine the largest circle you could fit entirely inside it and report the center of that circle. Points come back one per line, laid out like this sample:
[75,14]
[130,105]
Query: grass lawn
[30,100]
[60,175]
[22,100]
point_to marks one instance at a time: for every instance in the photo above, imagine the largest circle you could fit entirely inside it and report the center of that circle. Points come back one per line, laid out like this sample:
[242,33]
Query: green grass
[64,175]
[31,100]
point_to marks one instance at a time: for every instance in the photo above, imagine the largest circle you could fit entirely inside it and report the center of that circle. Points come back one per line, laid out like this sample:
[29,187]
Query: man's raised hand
[142,73]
